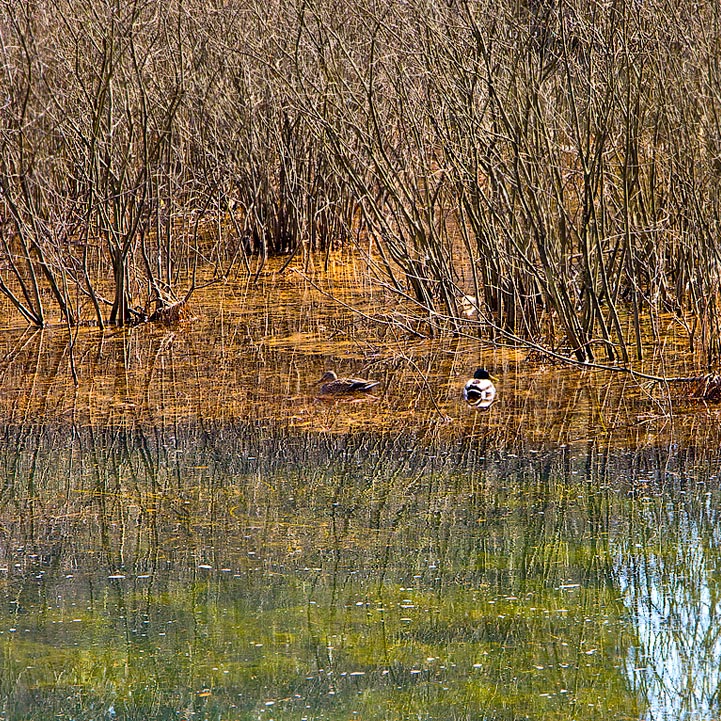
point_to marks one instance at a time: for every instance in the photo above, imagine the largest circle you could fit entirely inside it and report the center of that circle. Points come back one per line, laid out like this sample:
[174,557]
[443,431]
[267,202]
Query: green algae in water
[239,571]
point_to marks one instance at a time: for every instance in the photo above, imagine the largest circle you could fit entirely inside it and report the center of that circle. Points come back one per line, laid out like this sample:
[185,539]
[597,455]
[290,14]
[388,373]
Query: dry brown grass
[172,314]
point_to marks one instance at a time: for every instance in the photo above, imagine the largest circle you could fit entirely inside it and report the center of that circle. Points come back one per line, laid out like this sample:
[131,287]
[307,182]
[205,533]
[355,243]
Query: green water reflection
[236,571]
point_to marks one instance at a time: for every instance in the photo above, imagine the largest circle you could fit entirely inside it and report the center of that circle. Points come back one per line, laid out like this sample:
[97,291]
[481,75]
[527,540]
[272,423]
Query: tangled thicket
[553,165]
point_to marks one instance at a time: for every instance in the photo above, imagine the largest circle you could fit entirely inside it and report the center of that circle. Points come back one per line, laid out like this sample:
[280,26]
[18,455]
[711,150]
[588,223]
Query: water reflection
[190,533]
[667,571]
[254,351]
[236,570]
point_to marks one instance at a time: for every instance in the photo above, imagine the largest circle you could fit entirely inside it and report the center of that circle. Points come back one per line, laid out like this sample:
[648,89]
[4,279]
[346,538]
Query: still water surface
[243,572]
[191,534]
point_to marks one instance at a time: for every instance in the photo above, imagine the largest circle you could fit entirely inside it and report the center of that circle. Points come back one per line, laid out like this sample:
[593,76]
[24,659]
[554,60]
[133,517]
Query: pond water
[190,533]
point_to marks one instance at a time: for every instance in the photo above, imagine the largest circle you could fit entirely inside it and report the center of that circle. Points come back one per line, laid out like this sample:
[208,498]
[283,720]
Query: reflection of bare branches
[532,548]
[26,337]
[675,608]
[393,320]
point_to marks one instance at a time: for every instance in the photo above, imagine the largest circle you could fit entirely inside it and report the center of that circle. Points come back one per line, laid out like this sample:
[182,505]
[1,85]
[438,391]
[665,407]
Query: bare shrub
[558,163]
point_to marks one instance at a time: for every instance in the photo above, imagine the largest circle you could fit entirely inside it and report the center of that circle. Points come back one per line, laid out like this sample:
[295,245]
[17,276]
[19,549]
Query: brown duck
[330,384]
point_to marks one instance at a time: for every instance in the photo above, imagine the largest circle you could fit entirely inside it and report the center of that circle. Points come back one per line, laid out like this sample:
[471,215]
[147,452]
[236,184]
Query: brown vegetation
[557,162]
